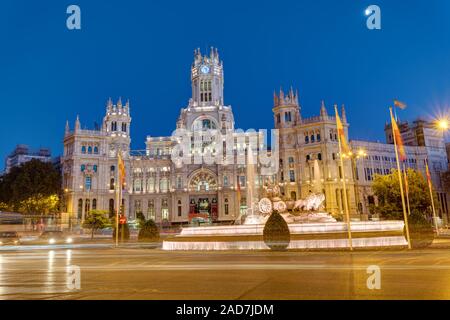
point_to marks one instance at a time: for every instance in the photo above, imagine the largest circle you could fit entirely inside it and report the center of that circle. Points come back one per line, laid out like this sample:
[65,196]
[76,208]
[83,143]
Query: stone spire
[127,106]
[344,115]
[275,99]
[67,129]
[77,123]
[323,110]
[119,103]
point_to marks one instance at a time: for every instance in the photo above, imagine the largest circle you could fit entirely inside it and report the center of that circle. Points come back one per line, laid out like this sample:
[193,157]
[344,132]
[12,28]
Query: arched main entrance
[203,196]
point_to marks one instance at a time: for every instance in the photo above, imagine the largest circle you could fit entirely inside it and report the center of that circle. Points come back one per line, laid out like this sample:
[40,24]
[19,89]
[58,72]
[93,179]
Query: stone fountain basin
[303,236]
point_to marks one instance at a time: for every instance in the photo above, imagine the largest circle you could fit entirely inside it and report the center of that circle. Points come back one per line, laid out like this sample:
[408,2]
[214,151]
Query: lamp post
[354,157]
[442,124]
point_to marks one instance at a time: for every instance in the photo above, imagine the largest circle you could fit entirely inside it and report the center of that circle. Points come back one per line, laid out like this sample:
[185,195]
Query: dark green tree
[387,190]
[28,187]
[95,220]
[149,231]
[276,233]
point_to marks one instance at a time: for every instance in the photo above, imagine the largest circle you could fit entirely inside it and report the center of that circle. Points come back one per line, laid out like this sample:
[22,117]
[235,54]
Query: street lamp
[443,124]
[361,153]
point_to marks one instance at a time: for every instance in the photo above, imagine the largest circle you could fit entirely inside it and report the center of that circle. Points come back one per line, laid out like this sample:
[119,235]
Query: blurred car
[9,238]
[10,218]
[55,237]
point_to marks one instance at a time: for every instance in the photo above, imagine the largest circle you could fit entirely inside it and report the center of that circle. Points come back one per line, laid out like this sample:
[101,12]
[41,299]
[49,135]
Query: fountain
[311,227]
[252,217]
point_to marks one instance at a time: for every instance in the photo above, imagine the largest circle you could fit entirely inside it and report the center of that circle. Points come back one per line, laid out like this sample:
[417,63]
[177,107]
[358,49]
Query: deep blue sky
[142,50]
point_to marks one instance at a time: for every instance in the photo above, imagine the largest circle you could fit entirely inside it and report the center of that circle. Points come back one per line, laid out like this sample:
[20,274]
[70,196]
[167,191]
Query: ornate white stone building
[309,157]
[156,186]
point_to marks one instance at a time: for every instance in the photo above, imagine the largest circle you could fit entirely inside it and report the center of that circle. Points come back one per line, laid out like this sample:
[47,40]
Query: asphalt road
[140,273]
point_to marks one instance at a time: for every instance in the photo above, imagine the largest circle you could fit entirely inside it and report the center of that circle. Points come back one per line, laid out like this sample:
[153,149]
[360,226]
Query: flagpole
[117,198]
[432,199]
[405,216]
[407,189]
[349,231]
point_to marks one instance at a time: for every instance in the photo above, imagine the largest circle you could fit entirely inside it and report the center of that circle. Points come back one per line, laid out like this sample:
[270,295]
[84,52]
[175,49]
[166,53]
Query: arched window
[90,150]
[95,150]
[87,206]
[319,156]
[227,207]
[124,127]
[312,138]
[94,204]
[137,185]
[111,208]
[95,168]
[179,208]
[318,137]
[111,184]
[88,183]
[164,209]
[308,157]
[151,184]
[225,181]
[80,208]
[151,210]
[83,149]
[83,167]
[112,168]
[306,139]
[164,185]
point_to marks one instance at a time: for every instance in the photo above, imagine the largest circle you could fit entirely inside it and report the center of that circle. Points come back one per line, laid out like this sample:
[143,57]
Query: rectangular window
[291,176]
[151,210]
[225,181]
[88,183]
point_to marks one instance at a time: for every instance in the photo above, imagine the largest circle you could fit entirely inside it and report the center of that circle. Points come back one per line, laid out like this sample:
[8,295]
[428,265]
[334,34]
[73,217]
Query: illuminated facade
[162,189]
[156,186]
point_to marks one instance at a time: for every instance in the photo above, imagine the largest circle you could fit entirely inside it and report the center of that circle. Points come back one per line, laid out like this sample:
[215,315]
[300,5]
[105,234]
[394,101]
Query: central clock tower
[207,79]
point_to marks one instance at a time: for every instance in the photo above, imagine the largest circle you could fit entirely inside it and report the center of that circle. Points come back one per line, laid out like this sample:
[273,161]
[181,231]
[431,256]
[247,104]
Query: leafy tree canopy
[387,189]
[27,187]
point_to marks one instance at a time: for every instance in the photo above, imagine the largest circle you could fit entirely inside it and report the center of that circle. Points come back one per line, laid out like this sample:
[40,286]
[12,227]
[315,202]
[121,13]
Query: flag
[399,104]
[407,190]
[122,170]
[398,140]
[341,132]
[427,170]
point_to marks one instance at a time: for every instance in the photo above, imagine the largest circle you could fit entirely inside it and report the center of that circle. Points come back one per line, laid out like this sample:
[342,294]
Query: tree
[3,207]
[149,231]
[140,218]
[446,179]
[31,188]
[387,190]
[276,233]
[95,220]
[39,204]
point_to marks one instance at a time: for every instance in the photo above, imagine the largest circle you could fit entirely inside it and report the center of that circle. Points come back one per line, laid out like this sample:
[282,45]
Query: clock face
[204,69]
